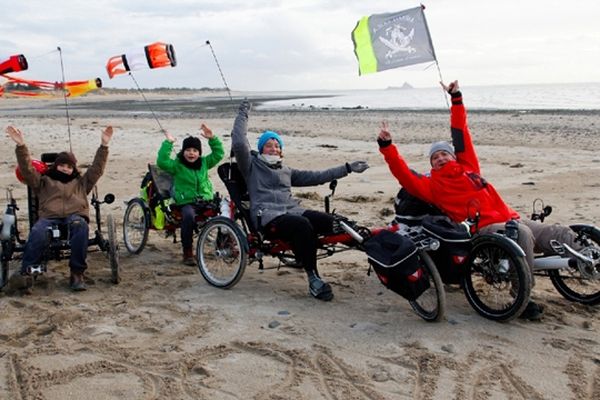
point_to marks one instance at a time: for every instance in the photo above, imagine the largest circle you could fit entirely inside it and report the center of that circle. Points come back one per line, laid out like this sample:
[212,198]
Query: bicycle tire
[222,252]
[113,250]
[136,225]
[497,283]
[431,304]
[569,282]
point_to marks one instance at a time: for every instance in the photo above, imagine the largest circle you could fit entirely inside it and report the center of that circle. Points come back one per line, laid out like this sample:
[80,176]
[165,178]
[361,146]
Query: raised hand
[451,88]
[384,132]
[357,166]
[16,135]
[206,132]
[106,135]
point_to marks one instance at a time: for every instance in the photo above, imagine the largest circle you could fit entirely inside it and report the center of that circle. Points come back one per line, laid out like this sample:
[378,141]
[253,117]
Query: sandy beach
[164,333]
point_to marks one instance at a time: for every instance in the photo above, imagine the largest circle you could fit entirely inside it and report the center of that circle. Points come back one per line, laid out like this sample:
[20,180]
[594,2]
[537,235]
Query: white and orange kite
[155,55]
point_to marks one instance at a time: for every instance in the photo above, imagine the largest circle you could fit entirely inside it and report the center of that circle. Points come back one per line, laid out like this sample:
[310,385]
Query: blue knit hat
[266,136]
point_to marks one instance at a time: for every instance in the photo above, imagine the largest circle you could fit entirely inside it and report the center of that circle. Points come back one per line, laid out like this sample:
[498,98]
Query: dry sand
[164,333]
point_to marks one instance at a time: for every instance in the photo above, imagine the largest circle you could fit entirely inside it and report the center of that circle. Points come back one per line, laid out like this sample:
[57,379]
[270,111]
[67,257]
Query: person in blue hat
[273,208]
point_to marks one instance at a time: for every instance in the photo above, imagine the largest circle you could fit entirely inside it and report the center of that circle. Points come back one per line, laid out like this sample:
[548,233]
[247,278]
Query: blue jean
[39,238]
[188,223]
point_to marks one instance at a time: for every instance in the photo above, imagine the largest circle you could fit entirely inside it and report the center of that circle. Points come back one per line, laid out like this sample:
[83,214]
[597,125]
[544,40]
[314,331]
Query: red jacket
[457,188]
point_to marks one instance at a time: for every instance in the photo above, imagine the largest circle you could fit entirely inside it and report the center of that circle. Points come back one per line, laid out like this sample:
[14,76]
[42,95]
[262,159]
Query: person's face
[191,154]
[440,158]
[65,168]
[272,148]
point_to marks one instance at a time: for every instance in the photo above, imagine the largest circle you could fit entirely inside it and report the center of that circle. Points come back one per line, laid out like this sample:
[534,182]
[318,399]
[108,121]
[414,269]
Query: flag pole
[64,90]
[147,102]
[437,64]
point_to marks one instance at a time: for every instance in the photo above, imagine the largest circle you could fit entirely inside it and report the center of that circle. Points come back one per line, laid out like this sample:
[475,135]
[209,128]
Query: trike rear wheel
[136,225]
[113,249]
[4,264]
[497,283]
[222,252]
[431,304]
[577,285]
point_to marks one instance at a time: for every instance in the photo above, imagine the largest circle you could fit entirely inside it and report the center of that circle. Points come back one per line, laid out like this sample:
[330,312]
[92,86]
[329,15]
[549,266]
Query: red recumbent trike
[226,245]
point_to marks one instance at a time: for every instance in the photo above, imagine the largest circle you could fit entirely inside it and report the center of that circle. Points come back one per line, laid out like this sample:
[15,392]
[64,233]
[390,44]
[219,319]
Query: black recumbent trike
[58,248]
[226,245]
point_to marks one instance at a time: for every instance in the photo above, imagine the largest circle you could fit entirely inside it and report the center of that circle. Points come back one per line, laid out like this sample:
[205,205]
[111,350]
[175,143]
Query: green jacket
[190,184]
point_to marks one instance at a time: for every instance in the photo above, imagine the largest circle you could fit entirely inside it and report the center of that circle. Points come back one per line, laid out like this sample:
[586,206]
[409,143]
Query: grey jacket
[269,187]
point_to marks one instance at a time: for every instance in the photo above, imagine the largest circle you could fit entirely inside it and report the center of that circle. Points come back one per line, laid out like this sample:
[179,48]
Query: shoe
[20,281]
[319,289]
[77,282]
[188,258]
[533,312]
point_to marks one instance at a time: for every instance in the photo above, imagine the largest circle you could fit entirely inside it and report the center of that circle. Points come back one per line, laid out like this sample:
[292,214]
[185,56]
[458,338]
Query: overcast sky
[268,45]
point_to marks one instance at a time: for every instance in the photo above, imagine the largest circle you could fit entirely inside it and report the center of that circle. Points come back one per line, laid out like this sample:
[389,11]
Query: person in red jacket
[456,187]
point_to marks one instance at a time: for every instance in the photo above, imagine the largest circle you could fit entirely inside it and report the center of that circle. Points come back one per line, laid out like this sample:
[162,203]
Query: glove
[357,166]
[245,106]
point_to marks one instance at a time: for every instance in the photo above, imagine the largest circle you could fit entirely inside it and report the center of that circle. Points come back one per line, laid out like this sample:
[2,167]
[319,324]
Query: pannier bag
[411,210]
[397,264]
[455,246]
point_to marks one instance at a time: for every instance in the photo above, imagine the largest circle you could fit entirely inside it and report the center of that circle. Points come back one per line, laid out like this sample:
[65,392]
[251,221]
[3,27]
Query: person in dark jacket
[62,194]
[456,187]
[273,208]
[189,170]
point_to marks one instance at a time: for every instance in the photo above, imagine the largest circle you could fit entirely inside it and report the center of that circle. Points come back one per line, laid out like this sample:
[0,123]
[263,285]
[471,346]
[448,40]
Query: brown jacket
[57,199]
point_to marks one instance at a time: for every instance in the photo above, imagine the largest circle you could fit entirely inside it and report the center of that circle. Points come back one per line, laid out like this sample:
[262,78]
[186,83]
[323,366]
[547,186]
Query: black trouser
[301,232]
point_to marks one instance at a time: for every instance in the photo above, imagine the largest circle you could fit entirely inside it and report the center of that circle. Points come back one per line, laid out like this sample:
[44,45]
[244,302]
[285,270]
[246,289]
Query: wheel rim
[221,255]
[135,227]
[494,279]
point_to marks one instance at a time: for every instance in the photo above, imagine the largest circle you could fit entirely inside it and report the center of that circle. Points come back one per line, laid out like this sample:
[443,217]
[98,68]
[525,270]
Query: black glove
[384,143]
[357,166]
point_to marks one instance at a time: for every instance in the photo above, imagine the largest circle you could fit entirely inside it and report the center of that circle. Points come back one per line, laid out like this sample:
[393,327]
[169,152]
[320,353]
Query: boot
[318,288]
[77,282]
[188,257]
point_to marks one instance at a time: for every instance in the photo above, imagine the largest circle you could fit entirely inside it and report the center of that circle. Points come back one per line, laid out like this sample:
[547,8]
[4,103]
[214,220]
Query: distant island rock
[406,85]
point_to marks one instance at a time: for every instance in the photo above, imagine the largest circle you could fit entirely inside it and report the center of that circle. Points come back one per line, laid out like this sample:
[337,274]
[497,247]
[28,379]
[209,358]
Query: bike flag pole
[147,102]
[62,68]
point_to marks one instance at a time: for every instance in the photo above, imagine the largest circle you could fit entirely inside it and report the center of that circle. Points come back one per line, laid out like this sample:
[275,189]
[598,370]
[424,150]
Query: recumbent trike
[58,248]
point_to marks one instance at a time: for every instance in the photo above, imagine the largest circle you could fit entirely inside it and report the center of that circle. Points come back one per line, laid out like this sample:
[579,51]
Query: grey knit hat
[437,146]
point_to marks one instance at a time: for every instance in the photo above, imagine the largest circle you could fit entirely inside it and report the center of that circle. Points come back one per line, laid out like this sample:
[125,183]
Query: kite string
[147,102]
[62,68]
[220,71]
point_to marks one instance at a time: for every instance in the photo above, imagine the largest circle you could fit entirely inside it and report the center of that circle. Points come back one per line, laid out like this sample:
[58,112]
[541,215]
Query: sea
[568,96]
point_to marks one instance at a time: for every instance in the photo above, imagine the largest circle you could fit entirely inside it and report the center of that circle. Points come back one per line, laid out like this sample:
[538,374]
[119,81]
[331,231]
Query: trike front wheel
[222,252]
[497,283]
[136,225]
[580,283]
[431,304]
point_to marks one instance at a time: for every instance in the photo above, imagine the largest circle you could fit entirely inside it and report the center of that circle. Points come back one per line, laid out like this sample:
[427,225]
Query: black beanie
[192,141]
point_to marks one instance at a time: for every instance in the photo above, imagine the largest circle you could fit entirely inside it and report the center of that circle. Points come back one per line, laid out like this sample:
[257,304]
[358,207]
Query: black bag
[455,245]
[411,210]
[396,262]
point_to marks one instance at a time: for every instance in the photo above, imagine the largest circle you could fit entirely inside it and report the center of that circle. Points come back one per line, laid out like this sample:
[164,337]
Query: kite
[17,87]
[392,40]
[155,55]
[14,63]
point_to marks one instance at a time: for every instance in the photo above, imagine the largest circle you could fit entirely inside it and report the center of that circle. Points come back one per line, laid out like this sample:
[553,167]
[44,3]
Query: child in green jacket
[190,179]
